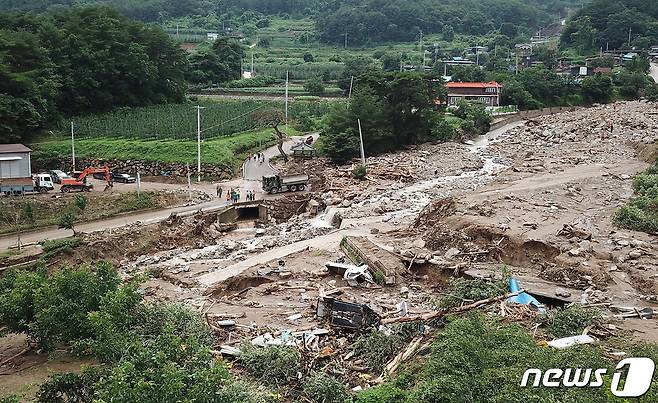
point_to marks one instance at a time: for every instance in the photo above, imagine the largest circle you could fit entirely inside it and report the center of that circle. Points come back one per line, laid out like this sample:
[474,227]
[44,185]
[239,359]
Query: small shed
[303,150]
[15,161]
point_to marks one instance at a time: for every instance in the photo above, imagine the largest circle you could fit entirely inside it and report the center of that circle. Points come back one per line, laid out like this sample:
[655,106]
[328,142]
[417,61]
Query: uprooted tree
[272,118]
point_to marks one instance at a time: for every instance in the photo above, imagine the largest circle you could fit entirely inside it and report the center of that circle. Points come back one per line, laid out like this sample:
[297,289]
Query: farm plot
[179,121]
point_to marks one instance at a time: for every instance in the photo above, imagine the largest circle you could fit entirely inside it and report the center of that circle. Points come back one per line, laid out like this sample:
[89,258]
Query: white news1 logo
[637,382]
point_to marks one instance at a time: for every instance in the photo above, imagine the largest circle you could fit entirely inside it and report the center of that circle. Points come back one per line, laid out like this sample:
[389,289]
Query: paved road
[254,170]
[654,71]
[148,217]
[253,173]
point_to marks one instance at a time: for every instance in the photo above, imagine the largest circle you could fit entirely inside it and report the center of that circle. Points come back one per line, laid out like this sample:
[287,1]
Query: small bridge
[244,211]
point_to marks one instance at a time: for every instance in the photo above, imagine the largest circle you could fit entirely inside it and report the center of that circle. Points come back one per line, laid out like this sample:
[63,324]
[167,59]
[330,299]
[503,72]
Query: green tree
[314,85]
[638,64]
[391,62]
[468,74]
[67,221]
[354,67]
[514,93]
[394,109]
[597,88]
[219,64]
[448,33]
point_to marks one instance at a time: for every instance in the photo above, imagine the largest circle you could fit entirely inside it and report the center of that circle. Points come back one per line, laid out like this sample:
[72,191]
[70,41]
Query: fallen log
[14,356]
[440,314]
[393,365]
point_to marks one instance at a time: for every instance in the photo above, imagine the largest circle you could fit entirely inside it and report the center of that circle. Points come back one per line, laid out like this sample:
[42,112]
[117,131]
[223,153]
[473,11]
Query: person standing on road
[229,195]
[219,191]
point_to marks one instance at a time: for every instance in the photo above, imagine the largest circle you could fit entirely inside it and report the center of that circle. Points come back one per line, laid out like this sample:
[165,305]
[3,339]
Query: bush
[69,387]
[386,393]
[258,81]
[360,172]
[17,296]
[461,291]
[152,353]
[277,366]
[644,182]
[67,220]
[571,321]
[376,349]
[637,218]
[53,310]
[641,213]
[80,202]
[56,247]
[314,85]
[323,388]
[479,359]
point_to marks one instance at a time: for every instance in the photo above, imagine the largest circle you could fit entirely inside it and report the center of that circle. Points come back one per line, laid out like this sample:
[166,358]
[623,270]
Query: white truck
[40,183]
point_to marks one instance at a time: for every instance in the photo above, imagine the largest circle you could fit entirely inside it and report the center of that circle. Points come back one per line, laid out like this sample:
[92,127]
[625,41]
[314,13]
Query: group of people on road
[234,195]
[260,157]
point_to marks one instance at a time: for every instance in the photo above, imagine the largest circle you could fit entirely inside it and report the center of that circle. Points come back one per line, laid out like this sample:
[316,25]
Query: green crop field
[179,121]
[228,152]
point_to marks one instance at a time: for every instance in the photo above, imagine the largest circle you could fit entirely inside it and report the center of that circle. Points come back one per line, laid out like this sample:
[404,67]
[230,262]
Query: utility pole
[287,77]
[349,95]
[189,183]
[345,40]
[198,141]
[73,146]
[363,153]
[477,55]
[630,30]
[422,50]
[139,184]
[252,64]
[516,63]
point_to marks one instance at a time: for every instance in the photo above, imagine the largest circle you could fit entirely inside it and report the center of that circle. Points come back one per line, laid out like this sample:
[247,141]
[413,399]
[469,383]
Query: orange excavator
[80,183]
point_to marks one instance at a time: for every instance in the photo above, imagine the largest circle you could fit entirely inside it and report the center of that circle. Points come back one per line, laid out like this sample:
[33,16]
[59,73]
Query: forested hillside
[607,24]
[388,20]
[81,61]
[363,20]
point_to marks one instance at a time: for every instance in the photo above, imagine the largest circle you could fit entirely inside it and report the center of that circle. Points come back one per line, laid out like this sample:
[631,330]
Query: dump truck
[276,183]
[40,183]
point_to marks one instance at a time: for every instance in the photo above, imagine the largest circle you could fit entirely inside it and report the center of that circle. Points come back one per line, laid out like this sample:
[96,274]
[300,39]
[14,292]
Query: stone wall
[522,115]
[145,168]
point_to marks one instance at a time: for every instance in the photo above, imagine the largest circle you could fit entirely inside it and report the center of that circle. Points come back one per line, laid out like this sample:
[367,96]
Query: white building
[15,161]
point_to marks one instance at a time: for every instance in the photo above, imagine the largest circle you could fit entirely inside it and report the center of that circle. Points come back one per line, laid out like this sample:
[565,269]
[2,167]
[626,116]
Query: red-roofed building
[485,93]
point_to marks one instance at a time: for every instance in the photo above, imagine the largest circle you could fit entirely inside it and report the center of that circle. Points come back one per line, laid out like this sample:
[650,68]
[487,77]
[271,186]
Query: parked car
[58,175]
[99,175]
[122,178]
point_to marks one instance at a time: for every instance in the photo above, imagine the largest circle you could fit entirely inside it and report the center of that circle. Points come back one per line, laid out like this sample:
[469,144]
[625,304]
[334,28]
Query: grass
[47,211]
[480,359]
[276,366]
[228,152]
[53,248]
